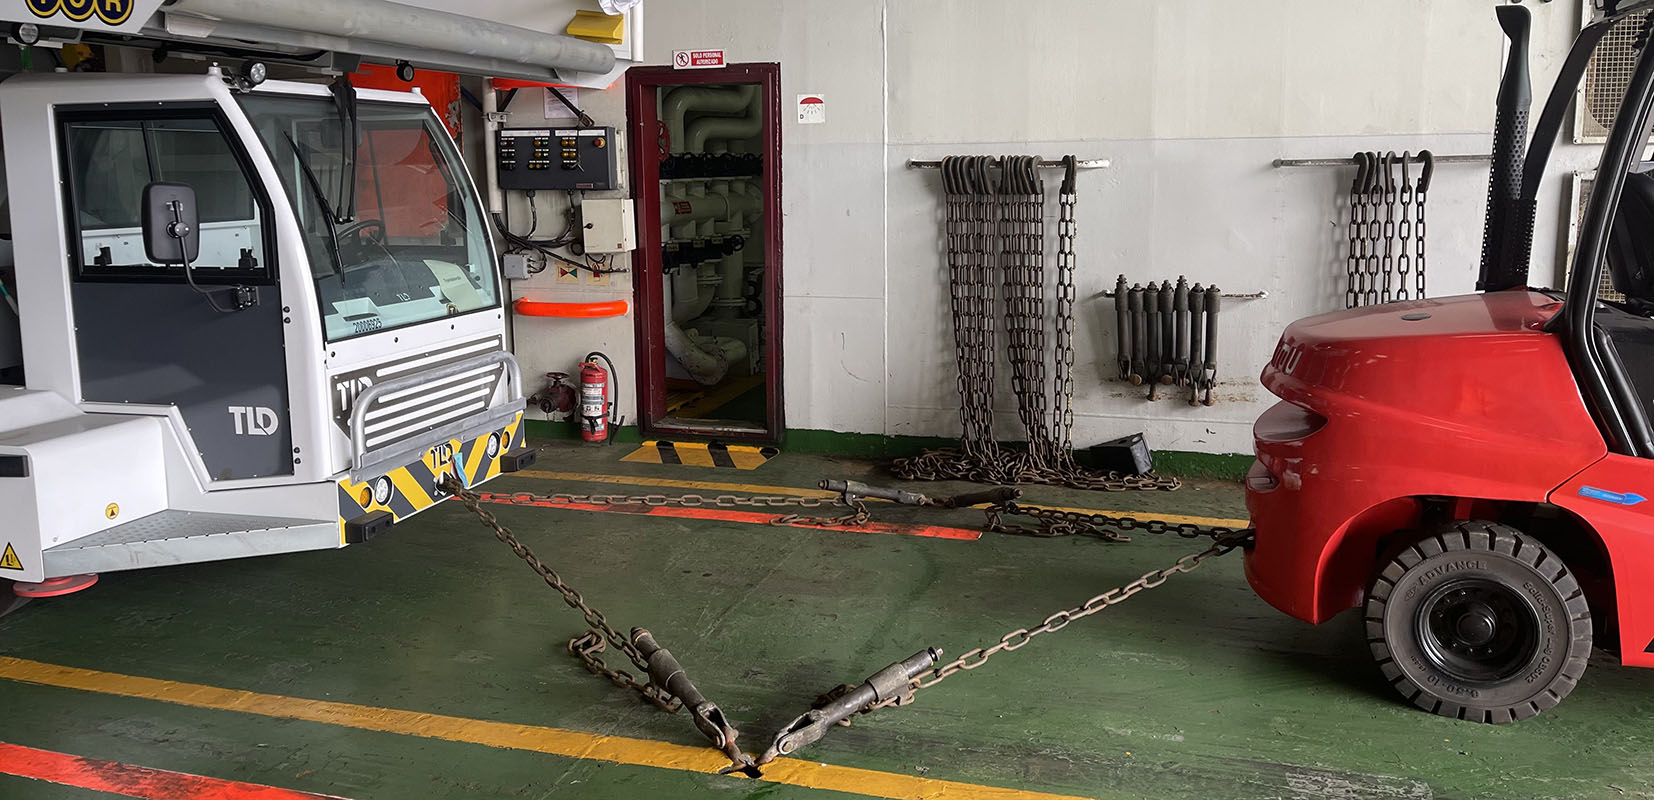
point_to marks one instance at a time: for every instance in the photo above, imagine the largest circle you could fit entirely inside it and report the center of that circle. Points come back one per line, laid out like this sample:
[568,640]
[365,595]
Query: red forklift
[1475,472]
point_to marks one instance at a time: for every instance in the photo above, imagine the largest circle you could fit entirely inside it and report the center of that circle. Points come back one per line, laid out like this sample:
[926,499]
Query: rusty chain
[995,236]
[1223,543]
[858,515]
[600,635]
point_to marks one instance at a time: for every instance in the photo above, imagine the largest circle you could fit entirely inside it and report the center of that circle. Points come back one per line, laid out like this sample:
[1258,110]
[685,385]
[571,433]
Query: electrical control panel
[556,158]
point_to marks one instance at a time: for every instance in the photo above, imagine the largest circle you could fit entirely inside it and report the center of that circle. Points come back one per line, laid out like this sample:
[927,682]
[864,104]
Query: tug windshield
[416,247]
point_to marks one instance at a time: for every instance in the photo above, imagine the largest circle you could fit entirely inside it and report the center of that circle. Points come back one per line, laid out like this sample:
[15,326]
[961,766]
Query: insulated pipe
[685,210]
[687,307]
[746,126]
[701,99]
[279,41]
[703,366]
[398,24]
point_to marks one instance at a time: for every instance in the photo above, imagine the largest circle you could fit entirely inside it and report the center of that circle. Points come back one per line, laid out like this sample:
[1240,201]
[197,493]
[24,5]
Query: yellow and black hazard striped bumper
[408,490]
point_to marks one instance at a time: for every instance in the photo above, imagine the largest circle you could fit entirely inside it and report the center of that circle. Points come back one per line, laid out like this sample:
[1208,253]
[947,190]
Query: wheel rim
[1477,630]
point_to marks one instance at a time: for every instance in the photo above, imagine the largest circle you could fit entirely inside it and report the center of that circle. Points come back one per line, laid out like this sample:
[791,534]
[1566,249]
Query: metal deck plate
[182,537]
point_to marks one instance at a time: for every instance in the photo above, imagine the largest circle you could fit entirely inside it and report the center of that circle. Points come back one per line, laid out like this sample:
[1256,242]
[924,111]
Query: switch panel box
[556,158]
[608,225]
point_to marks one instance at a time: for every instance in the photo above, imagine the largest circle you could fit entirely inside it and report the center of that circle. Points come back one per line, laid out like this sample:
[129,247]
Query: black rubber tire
[1538,591]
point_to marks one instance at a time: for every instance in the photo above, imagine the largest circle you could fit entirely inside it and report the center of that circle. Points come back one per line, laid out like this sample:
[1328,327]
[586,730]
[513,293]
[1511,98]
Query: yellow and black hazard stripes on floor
[702,454]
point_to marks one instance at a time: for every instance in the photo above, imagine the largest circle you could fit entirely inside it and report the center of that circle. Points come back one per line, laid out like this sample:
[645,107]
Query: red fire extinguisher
[595,405]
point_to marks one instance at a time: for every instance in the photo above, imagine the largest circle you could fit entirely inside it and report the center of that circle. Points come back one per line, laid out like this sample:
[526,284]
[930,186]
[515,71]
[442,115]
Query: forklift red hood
[1471,366]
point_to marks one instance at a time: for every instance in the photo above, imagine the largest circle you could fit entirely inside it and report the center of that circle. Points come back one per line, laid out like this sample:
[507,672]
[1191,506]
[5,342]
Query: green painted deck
[1195,690]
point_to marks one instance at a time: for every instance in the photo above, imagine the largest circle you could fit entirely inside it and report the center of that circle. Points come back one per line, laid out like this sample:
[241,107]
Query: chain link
[600,634]
[1418,227]
[859,514]
[1404,230]
[1065,523]
[1353,265]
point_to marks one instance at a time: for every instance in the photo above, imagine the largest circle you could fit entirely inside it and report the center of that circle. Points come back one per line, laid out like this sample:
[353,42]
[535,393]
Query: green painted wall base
[1229,467]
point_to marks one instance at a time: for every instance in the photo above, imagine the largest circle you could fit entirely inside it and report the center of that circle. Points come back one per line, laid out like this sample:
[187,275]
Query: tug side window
[109,160]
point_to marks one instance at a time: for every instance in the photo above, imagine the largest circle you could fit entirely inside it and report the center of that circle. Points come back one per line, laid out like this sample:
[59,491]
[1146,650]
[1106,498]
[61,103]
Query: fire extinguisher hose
[614,398]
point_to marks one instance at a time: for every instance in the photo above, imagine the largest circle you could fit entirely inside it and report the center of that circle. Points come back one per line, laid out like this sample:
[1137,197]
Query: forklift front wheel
[1479,622]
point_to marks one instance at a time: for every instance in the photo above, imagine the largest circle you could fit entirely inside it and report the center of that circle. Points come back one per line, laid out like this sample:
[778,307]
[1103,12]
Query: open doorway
[706,162]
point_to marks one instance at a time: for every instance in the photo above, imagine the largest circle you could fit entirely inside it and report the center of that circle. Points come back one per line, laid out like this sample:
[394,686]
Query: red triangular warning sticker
[8,560]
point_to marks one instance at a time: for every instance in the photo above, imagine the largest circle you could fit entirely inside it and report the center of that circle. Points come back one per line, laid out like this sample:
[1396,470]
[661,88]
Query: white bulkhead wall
[1190,99]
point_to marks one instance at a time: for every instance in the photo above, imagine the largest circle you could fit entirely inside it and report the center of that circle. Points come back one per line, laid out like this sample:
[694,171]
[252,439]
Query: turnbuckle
[856,490]
[667,674]
[892,682]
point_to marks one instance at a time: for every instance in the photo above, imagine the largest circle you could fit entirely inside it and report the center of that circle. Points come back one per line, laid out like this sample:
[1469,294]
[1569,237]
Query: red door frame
[643,124]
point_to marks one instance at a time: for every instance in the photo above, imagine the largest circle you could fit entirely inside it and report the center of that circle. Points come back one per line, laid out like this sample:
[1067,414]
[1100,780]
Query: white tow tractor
[257,318]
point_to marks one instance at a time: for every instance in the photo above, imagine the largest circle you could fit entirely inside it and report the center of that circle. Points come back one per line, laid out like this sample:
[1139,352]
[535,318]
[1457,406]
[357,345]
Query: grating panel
[1606,79]
[172,525]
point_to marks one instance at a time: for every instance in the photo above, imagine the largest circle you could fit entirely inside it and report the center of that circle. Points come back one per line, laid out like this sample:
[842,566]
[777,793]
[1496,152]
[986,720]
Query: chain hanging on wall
[995,234]
[1386,256]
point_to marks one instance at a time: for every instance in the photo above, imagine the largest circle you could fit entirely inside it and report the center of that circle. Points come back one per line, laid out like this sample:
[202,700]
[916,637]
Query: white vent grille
[1581,198]
[1606,79]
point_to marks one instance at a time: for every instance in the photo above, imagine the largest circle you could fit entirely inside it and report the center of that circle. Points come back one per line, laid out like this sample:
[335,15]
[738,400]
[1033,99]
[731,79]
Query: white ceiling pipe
[396,24]
[746,126]
[702,100]
[281,40]
[687,306]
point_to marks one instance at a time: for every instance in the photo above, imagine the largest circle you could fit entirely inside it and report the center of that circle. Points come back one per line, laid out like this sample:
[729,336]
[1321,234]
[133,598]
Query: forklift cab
[329,350]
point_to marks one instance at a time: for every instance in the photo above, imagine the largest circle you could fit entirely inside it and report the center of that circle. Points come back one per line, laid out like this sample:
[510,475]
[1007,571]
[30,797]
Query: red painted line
[748,517]
[134,781]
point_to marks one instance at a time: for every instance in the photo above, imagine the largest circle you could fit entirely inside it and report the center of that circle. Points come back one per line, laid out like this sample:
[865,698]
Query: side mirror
[171,233]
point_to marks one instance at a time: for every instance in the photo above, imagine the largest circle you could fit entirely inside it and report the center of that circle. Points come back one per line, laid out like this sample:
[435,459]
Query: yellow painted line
[750,488]
[504,735]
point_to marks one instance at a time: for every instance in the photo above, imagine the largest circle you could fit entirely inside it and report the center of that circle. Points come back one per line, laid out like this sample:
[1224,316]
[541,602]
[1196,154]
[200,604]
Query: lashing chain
[995,239]
[669,688]
[859,515]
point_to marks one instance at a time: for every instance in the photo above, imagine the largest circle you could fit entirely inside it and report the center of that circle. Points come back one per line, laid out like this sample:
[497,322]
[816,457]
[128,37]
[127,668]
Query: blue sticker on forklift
[1626,499]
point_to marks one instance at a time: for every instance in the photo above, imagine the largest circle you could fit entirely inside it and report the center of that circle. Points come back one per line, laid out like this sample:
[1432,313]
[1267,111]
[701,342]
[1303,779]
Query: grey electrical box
[514,266]
[556,158]
[608,225]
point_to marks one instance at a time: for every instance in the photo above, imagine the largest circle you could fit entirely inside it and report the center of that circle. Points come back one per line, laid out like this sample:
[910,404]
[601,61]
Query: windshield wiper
[344,100]
[321,200]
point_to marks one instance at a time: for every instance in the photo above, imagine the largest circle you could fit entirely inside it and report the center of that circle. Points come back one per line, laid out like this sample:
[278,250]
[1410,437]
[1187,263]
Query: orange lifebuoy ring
[538,308]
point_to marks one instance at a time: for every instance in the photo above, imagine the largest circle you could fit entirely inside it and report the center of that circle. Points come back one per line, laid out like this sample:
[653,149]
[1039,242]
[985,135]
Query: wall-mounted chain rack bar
[1082,163]
[1353,161]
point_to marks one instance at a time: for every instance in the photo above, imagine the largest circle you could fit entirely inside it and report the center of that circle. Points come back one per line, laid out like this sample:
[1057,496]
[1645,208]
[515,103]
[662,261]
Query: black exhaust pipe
[1505,246]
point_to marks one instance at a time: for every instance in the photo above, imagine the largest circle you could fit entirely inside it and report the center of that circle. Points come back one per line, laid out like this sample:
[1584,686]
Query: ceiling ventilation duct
[382,31]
